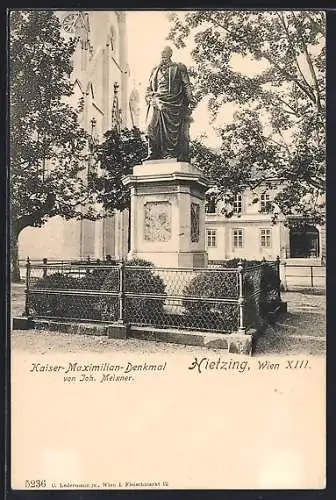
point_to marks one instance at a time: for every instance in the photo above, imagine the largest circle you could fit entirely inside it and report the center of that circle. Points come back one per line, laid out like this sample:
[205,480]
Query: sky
[147,32]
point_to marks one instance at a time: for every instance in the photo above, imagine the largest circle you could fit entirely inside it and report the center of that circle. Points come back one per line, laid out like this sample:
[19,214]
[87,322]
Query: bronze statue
[170,101]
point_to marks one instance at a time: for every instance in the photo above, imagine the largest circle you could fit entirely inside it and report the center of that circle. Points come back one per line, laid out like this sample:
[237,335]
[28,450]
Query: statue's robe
[168,117]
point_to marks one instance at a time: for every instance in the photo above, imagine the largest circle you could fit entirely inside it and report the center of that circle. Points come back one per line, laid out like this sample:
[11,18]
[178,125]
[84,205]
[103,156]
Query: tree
[278,134]
[115,157]
[48,148]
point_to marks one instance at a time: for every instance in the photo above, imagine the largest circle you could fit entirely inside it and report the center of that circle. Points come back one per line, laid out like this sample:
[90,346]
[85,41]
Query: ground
[301,331]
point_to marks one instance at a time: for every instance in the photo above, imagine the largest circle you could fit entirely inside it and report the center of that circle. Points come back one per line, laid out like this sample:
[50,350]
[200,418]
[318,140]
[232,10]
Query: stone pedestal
[167,214]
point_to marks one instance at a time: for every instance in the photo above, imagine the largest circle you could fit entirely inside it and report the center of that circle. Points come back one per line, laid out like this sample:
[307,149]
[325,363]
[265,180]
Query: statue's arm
[186,83]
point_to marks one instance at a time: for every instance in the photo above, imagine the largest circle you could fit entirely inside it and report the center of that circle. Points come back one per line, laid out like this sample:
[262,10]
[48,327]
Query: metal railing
[63,262]
[220,300]
[304,276]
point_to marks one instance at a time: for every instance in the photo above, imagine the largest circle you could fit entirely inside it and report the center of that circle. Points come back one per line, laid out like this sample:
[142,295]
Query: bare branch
[293,110]
[284,142]
[266,56]
[283,22]
[310,64]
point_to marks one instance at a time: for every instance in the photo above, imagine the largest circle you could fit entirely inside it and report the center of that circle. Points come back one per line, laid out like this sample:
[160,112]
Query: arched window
[304,242]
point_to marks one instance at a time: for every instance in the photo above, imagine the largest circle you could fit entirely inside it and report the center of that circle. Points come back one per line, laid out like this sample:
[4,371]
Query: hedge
[88,306]
[138,281]
[263,278]
[260,289]
[216,315]
[55,304]
[141,310]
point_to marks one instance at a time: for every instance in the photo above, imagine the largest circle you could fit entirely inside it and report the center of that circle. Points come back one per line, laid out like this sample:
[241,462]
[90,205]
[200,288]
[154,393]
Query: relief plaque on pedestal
[157,226]
[194,222]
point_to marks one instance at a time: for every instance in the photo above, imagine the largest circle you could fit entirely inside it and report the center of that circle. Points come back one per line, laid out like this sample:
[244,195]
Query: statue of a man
[170,101]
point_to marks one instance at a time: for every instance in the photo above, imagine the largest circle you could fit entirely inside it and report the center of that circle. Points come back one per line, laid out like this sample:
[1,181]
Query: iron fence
[220,300]
[298,276]
[62,263]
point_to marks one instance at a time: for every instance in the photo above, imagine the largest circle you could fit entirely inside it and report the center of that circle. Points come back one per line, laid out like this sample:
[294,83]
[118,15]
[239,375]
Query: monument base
[167,214]
[179,260]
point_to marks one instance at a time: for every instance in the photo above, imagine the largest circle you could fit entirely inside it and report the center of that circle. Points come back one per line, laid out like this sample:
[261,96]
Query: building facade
[250,233]
[101,87]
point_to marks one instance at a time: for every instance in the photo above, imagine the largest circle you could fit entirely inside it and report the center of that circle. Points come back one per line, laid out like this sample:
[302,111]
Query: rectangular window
[265,238]
[210,207]
[211,237]
[237,204]
[238,238]
[265,203]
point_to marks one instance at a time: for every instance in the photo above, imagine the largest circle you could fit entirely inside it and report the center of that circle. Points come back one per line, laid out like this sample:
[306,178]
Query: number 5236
[35,483]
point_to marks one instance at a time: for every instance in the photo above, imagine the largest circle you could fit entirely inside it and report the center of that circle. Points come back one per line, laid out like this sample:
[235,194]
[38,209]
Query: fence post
[241,299]
[283,276]
[88,262]
[277,266]
[45,268]
[121,294]
[311,277]
[26,309]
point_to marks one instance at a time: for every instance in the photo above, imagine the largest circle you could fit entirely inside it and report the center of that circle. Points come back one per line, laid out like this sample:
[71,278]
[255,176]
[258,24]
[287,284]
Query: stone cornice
[160,178]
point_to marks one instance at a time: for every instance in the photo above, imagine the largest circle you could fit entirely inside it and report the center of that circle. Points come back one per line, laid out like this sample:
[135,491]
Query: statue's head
[166,54]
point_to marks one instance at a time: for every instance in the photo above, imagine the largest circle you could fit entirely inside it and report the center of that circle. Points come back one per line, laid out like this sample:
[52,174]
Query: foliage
[260,290]
[74,306]
[48,148]
[212,285]
[217,168]
[58,305]
[278,134]
[139,278]
[233,263]
[94,278]
[89,306]
[115,157]
[270,294]
[259,276]
[137,261]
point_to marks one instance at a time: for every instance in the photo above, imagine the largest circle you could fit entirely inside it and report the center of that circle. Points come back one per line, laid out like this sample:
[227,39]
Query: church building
[101,79]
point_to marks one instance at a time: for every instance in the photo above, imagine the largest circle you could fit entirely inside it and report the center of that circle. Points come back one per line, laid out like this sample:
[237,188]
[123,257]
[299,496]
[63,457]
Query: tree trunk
[17,224]
[15,270]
